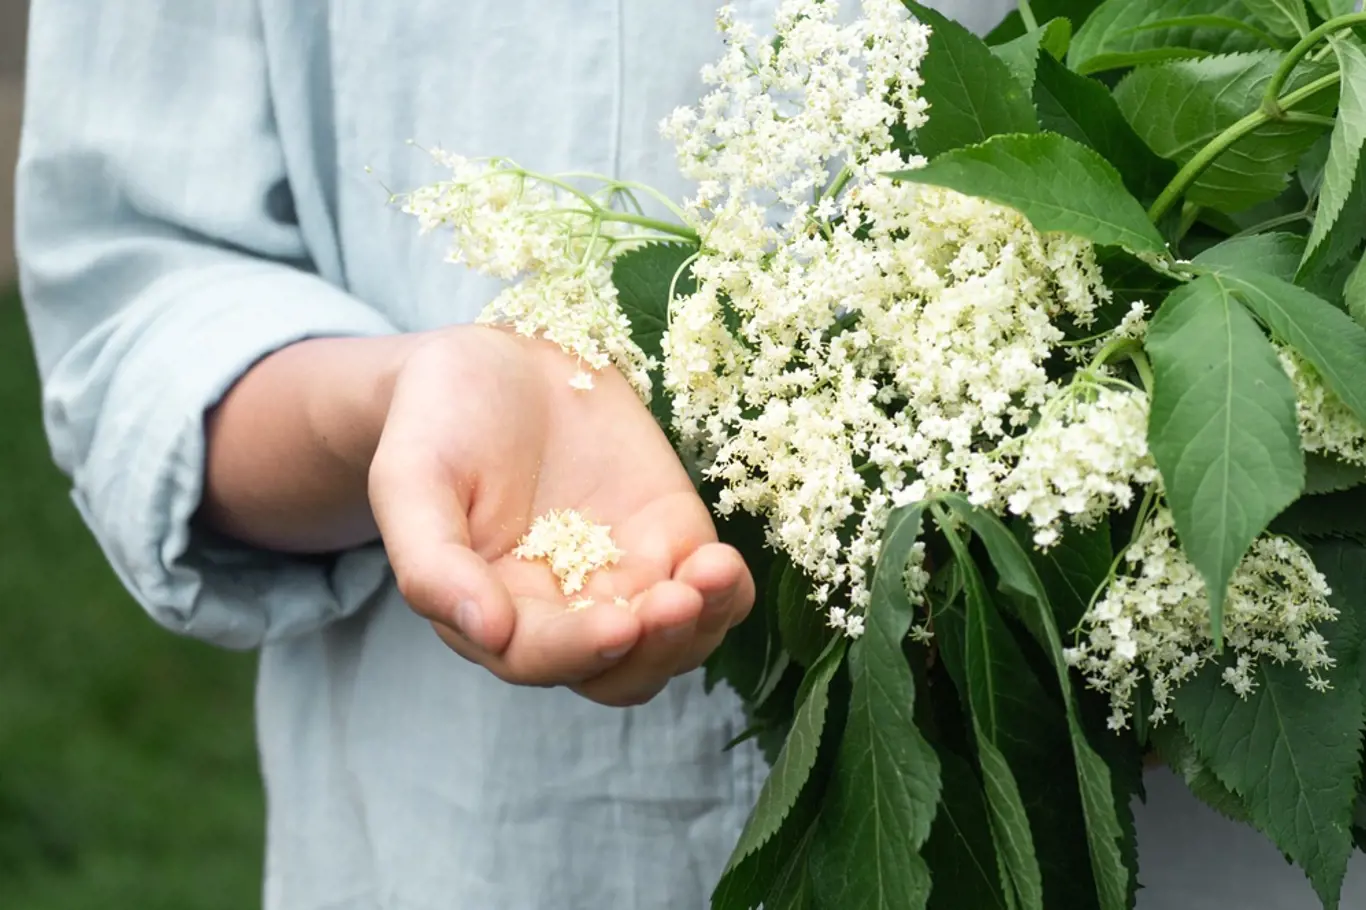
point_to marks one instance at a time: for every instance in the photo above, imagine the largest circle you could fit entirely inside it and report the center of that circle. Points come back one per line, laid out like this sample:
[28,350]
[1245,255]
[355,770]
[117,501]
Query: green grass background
[128,774]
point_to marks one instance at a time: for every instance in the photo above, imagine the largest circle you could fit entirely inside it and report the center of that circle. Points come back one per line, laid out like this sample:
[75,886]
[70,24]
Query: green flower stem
[1311,119]
[1027,16]
[838,184]
[1271,101]
[601,215]
[1145,370]
[1186,178]
[1115,348]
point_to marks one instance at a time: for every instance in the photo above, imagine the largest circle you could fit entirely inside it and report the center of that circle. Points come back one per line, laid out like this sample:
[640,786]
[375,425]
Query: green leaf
[1073,569]
[985,642]
[1022,53]
[1181,757]
[1349,134]
[1213,22]
[960,850]
[1355,292]
[1178,108]
[642,278]
[1104,832]
[882,797]
[795,761]
[1223,429]
[1074,11]
[1321,333]
[1083,109]
[1274,254]
[1286,18]
[1022,56]
[1057,183]
[1331,9]
[972,94]
[792,889]
[1293,754]
[803,626]
[1340,516]
[1329,475]
[1111,37]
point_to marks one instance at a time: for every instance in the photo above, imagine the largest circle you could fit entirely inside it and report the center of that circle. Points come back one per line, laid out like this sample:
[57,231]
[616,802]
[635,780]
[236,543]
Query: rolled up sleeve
[155,271]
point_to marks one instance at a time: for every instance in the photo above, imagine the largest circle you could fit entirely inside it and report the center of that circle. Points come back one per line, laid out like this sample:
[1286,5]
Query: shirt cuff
[141,479]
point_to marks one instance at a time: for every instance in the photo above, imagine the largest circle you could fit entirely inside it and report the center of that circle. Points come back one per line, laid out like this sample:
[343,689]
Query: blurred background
[127,765]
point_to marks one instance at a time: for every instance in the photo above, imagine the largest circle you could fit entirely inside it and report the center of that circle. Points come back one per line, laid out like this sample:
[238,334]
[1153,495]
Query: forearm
[289,446]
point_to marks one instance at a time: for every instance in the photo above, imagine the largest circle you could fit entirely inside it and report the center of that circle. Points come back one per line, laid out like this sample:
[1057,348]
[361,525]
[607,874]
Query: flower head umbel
[1153,621]
[554,241]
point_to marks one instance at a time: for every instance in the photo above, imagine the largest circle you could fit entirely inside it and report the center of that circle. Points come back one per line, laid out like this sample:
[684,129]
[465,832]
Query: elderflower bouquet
[1029,375]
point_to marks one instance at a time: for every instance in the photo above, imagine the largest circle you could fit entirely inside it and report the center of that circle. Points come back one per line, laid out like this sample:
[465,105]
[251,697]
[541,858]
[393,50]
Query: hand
[483,435]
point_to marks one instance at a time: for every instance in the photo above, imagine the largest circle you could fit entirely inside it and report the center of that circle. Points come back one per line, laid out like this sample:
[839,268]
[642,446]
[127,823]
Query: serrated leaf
[1213,22]
[1022,54]
[1074,569]
[1287,18]
[792,888]
[1057,183]
[882,797]
[1355,292]
[1291,753]
[1329,475]
[804,628]
[1321,333]
[1083,109]
[960,848]
[985,639]
[1275,254]
[1111,37]
[1331,9]
[972,94]
[1349,134]
[798,756]
[1104,832]
[1181,757]
[1074,11]
[1340,515]
[1178,108]
[642,278]
[1223,429]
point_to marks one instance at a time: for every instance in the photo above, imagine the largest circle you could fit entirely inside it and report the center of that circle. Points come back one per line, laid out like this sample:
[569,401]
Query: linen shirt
[201,184]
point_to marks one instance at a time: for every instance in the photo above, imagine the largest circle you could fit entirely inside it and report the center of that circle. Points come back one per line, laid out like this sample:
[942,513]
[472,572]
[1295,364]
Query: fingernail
[468,618]
[615,653]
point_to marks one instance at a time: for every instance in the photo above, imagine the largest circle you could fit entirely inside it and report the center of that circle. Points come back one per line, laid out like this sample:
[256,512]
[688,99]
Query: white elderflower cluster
[1153,621]
[551,238]
[879,344]
[1327,425]
[573,546]
[786,111]
[1082,461]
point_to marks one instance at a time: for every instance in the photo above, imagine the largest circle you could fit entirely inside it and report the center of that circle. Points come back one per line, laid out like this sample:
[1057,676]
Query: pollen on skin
[573,546]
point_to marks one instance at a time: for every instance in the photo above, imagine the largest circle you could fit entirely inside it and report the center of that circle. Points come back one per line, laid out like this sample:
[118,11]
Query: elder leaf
[1223,429]
[1057,183]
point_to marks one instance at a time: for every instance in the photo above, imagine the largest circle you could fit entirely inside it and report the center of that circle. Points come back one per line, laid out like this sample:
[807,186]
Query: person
[286,434]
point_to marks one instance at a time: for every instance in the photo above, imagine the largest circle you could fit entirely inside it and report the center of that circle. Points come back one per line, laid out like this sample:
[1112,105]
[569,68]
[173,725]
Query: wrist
[350,388]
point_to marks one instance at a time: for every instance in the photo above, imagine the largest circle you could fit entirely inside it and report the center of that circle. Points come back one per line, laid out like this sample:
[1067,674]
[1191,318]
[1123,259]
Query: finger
[421,511]
[720,575]
[668,613]
[553,646]
[718,572]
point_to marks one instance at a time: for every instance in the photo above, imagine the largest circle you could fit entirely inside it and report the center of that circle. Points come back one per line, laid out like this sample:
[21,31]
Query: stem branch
[1186,178]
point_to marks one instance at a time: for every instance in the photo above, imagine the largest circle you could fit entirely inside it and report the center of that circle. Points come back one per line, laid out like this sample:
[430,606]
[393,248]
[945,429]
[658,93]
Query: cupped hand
[483,435]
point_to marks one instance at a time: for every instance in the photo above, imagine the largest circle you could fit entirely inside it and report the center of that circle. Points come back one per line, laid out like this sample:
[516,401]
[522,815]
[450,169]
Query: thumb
[422,512]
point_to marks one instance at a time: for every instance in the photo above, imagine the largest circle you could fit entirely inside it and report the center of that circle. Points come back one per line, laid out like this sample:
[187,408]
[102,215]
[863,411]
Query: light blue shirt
[192,196]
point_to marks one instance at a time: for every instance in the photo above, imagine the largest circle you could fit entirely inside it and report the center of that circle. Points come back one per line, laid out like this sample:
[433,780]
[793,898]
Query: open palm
[460,475]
